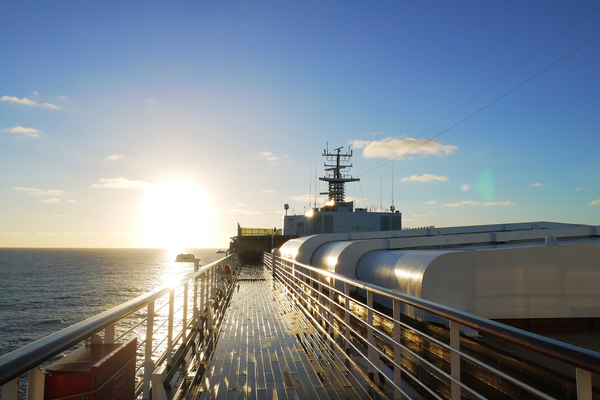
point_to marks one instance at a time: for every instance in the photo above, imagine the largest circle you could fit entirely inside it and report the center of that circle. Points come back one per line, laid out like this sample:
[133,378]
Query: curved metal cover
[399,270]
[291,248]
[326,256]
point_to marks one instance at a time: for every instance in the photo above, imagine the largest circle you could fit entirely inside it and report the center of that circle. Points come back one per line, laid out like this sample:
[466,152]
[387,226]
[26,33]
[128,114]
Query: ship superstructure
[338,215]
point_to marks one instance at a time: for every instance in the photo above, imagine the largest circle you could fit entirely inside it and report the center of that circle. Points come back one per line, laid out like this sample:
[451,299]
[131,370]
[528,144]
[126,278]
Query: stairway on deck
[267,349]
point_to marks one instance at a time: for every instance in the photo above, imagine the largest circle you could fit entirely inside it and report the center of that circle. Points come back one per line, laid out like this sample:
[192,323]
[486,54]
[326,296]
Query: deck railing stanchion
[109,334]
[331,306]
[185,312]
[213,286]
[10,390]
[584,384]
[320,301]
[371,352]
[170,328]
[347,317]
[455,358]
[397,350]
[195,308]
[202,279]
[148,363]
[35,384]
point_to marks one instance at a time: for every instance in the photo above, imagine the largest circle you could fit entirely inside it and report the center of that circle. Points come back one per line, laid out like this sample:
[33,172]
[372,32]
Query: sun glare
[175,215]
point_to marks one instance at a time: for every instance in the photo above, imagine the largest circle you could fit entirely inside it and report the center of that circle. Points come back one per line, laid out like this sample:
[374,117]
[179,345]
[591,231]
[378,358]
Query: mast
[336,176]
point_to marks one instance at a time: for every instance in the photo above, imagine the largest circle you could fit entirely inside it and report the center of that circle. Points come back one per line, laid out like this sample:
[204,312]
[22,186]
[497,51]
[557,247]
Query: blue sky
[167,123]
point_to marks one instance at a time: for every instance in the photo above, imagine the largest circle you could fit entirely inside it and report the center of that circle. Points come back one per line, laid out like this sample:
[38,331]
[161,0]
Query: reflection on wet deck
[268,350]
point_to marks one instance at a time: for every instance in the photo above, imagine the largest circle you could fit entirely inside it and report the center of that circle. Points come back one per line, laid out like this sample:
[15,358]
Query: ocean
[45,290]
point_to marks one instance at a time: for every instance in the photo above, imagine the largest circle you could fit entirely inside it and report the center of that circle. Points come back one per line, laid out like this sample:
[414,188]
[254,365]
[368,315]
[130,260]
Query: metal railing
[259,231]
[344,310]
[166,323]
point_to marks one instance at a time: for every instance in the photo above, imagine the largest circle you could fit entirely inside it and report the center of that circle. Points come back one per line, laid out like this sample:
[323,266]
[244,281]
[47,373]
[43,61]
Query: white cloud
[477,203]
[36,191]
[50,200]
[268,156]
[536,185]
[63,97]
[462,203]
[121,183]
[397,147]
[578,189]
[36,94]
[26,102]
[501,203]
[595,203]
[151,101]
[21,130]
[115,157]
[424,178]
[268,191]
[71,201]
[430,202]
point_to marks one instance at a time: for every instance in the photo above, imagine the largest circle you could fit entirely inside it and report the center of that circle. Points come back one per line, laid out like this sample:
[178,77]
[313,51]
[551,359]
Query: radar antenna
[336,175]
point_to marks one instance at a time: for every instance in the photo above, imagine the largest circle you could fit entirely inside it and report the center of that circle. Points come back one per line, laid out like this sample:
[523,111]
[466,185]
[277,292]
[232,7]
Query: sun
[175,215]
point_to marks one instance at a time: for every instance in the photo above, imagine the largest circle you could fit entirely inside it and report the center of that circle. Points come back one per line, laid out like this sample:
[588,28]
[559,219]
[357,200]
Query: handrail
[573,355]
[24,359]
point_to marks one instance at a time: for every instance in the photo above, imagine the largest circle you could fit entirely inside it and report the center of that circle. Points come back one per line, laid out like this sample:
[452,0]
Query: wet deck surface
[268,350]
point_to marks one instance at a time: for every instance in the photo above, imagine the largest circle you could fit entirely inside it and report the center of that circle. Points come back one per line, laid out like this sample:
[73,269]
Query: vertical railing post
[10,390]
[148,363]
[35,384]
[455,358]
[170,328]
[208,286]
[584,384]
[397,350]
[331,307]
[320,300]
[213,283]
[347,317]
[290,282]
[203,295]
[185,312]
[109,334]
[314,295]
[370,337]
[294,282]
[195,308]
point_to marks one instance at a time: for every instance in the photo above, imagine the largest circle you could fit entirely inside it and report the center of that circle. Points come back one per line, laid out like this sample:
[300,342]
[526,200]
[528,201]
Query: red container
[97,371]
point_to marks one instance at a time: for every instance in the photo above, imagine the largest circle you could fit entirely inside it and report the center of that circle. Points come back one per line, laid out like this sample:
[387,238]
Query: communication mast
[336,176]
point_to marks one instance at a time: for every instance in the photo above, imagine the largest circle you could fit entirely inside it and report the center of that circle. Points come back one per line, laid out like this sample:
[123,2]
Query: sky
[165,124]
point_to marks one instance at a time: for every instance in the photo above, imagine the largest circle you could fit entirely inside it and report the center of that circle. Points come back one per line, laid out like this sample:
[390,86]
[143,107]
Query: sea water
[45,290]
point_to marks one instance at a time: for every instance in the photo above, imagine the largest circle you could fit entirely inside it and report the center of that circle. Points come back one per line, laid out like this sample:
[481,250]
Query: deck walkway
[268,350]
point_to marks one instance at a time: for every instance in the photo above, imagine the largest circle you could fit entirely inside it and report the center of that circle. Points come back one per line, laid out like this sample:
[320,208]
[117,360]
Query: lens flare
[485,185]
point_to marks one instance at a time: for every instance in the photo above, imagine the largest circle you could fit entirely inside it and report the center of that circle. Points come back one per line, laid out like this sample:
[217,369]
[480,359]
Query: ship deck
[267,349]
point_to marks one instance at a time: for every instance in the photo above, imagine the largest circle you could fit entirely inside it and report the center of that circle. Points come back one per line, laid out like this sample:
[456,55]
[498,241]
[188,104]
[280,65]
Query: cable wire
[377,165]
[484,107]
